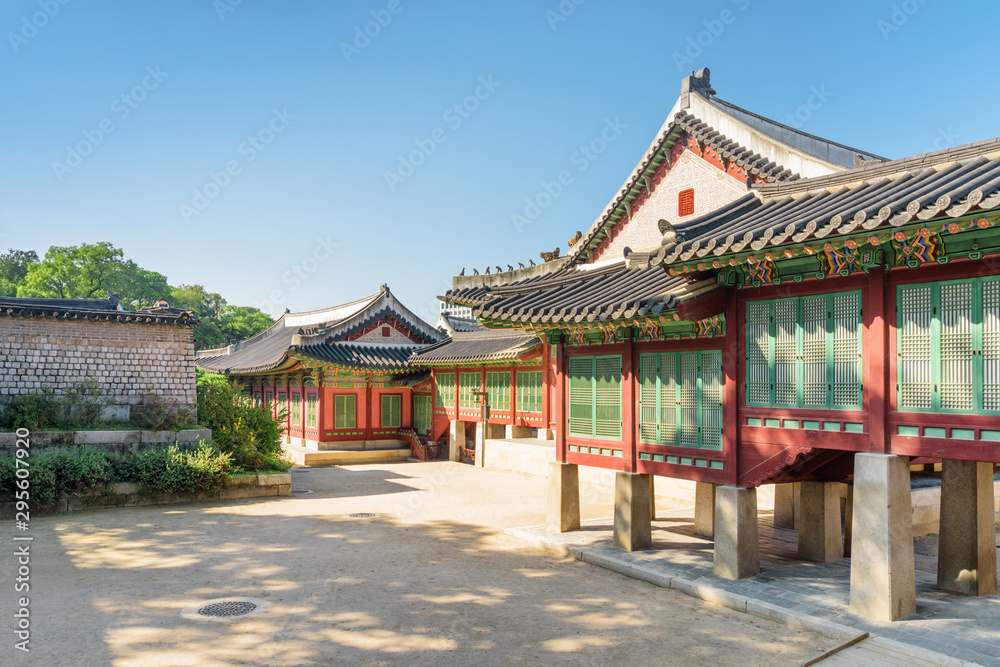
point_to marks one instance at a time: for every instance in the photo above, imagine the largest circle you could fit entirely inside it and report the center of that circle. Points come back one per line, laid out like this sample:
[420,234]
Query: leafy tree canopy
[13,268]
[90,271]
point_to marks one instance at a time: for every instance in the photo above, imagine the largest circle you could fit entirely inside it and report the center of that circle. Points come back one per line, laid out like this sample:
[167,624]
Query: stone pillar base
[737,547]
[883,585]
[704,509]
[633,511]
[563,511]
[456,441]
[967,545]
[820,538]
[512,432]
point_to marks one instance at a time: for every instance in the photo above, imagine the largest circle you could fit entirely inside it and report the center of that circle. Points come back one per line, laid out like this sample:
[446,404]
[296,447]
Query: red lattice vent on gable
[685,202]
[385,332]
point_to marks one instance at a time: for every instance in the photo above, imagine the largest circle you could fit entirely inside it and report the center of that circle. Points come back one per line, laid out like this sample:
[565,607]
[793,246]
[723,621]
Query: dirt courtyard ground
[429,580]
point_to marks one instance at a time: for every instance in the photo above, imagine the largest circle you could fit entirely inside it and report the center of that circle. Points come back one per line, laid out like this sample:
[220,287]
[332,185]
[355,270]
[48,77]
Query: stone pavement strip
[951,628]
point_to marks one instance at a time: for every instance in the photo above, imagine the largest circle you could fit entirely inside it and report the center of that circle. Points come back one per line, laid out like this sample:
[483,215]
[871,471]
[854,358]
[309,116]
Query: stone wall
[125,358]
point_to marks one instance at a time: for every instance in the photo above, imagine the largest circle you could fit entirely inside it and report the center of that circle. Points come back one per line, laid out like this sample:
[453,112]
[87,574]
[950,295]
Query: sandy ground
[430,580]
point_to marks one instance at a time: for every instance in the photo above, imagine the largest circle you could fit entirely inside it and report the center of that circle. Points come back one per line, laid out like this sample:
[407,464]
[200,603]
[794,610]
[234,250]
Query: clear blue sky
[921,78]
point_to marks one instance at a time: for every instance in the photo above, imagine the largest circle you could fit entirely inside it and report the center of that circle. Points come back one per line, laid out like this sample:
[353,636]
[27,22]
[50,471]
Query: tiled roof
[92,310]
[479,346]
[625,289]
[752,163]
[944,184]
[317,335]
[358,355]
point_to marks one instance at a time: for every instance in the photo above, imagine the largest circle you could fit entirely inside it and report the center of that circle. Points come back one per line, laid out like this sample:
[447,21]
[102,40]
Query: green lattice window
[529,391]
[680,399]
[595,396]
[422,413]
[345,411]
[805,352]
[444,389]
[948,338]
[391,415]
[468,383]
[498,389]
[311,411]
[296,408]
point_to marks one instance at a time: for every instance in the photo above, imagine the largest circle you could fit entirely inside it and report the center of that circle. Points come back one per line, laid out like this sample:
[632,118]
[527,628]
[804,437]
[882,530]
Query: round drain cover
[362,515]
[301,491]
[227,609]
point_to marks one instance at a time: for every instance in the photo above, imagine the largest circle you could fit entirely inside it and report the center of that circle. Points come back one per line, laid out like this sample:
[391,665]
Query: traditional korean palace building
[760,306]
[343,376]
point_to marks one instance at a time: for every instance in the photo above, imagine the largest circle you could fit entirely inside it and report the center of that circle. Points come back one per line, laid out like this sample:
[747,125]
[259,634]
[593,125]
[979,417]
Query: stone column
[633,511]
[512,432]
[820,537]
[848,519]
[883,586]
[967,561]
[563,511]
[456,440]
[784,507]
[704,509]
[737,547]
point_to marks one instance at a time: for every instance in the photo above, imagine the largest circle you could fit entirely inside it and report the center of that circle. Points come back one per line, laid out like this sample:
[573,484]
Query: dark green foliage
[86,400]
[251,434]
[13,268]
[172,470]
[35,412]
[203,468]
[157,413]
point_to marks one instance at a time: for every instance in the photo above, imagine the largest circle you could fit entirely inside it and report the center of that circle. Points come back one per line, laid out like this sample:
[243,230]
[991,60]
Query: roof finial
[698,82]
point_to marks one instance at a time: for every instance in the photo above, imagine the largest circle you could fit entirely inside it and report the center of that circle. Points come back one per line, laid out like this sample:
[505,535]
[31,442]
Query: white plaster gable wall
[712,189]
[375,336]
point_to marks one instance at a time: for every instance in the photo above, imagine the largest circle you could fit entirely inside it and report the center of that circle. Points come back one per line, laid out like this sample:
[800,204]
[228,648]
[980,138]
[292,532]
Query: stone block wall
[125,358]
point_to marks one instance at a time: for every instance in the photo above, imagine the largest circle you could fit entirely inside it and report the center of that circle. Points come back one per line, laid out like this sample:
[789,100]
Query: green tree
[13,268]
[239,322]
[89,271]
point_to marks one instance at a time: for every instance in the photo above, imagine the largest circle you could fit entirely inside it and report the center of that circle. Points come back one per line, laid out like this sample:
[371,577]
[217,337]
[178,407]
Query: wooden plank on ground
[864,651]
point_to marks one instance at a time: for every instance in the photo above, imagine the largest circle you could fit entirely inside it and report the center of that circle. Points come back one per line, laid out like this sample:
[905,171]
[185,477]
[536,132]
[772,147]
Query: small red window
[685,202]
[385,332]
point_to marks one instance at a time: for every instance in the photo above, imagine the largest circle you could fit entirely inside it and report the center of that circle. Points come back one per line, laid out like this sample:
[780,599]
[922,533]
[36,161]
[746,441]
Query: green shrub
[172,470]
[158,413]
[35,412]
[252,435]
[203,468]
[86,401]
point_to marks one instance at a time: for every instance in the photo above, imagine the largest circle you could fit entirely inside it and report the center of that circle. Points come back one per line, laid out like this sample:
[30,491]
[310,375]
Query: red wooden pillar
[406,408]
[730,388]
[369,411]
[628,407]
[875,377]
[561,403]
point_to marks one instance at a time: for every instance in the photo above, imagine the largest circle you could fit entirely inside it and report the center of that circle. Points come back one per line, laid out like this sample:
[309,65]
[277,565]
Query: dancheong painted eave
[935,187]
